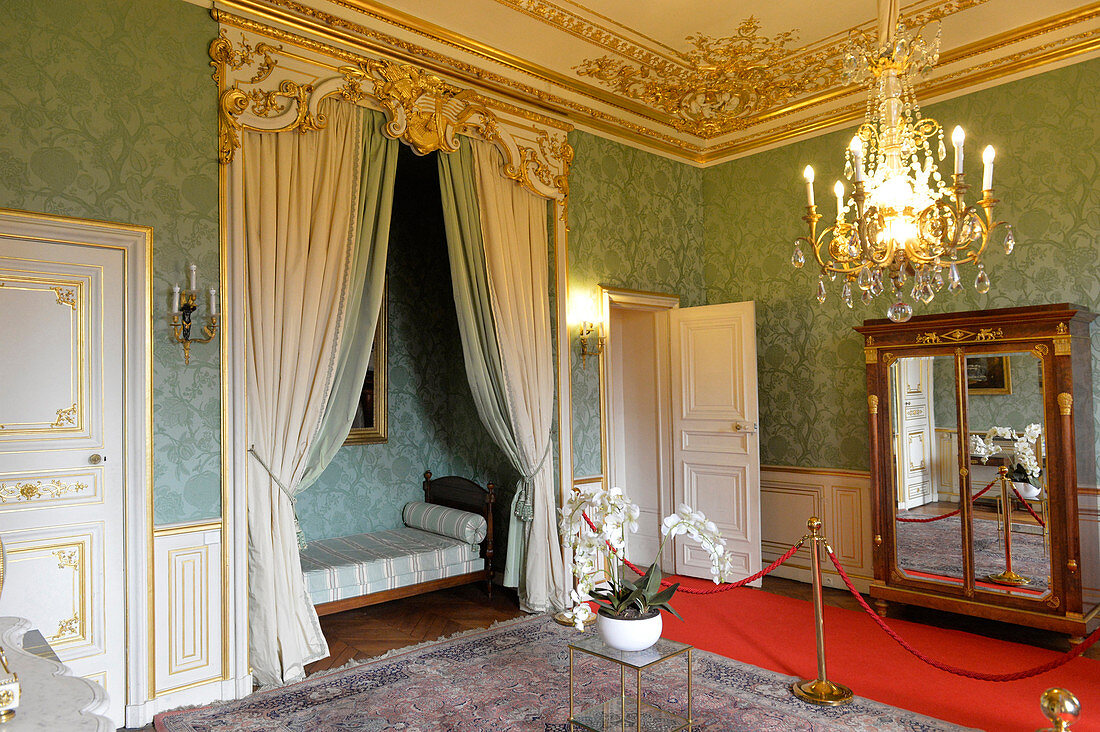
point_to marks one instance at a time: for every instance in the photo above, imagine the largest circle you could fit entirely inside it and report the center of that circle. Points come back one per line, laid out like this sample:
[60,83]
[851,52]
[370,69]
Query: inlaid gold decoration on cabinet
[268,88]
[20,491]
[63,361]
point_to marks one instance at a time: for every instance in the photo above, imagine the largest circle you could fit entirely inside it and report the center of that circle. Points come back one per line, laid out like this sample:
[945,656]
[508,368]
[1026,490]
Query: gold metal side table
[617,714]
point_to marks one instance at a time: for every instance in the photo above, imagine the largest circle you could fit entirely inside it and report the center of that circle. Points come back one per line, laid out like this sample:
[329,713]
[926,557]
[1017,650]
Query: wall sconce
[183,305]
[592,339]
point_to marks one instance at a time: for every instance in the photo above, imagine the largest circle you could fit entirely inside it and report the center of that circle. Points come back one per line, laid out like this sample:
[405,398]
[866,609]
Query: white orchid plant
[598,548]
[1023,447]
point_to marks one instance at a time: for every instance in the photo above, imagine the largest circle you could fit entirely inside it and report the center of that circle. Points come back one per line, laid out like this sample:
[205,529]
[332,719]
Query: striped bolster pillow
[461,525]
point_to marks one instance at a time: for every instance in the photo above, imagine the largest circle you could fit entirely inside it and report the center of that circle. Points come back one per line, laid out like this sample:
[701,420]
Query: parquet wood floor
[371,631]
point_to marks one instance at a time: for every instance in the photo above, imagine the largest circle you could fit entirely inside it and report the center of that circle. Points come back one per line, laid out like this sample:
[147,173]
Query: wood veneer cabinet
[936,385]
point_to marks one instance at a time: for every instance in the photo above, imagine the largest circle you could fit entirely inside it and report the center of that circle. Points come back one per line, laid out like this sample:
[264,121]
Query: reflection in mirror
[1005,408]
[928,528]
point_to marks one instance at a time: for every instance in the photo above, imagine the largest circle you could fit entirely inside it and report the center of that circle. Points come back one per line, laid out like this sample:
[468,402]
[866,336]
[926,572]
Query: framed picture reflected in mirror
[988,375]
[369,425]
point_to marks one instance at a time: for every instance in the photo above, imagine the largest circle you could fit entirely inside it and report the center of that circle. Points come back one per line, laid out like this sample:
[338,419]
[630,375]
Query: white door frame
[654,302]
[135,242]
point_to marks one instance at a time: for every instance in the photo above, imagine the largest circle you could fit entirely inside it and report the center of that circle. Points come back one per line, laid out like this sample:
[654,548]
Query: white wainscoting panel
[840,498]
[1088,507]
[188,607]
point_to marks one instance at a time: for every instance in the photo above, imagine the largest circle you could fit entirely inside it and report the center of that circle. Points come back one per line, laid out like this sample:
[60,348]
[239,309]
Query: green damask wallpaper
[810,362]
[433,423]
[635,221]
[1018,409]
[109,113]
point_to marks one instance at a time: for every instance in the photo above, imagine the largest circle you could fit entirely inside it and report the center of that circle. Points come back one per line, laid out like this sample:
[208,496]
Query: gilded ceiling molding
[727,82]
[527,86]
[264,88]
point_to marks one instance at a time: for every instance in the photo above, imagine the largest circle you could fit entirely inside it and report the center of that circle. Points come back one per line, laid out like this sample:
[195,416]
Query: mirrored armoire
[983,467]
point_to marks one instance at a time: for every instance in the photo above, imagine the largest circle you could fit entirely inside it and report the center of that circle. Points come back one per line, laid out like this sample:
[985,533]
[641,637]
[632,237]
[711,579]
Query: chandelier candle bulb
[856,148]
[838,189]
[957,139]
[808,174]
[987,157]
[175,298]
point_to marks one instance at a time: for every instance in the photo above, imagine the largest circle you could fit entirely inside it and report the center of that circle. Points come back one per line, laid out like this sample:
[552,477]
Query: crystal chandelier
[907,225]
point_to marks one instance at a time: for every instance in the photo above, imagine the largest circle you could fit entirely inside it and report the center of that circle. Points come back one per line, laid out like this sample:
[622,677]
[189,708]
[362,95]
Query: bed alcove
[432,421]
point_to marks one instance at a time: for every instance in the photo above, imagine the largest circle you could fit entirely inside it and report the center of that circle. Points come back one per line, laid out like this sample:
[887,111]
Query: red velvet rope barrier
[710,590]
[1025,674]
[1028,507]
[973,498]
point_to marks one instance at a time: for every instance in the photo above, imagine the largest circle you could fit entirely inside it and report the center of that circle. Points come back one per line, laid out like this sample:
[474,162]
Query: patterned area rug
[514,676]
[935,548]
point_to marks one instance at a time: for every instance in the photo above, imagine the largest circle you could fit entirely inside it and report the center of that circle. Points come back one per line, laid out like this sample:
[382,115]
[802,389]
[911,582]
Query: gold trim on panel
[200,607]
[188,528]
[29,491]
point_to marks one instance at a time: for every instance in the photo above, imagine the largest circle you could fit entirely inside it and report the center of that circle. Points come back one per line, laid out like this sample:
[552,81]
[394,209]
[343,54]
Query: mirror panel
[1005,401]
[927,521]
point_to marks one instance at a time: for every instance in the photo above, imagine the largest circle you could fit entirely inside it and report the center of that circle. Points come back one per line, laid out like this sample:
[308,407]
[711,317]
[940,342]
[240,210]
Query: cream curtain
[365,291]
[505,325]
[299,197]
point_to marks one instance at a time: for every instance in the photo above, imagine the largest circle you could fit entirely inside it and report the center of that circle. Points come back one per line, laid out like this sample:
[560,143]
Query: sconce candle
[175,298]
[194,274]
[808,174]
[213,301]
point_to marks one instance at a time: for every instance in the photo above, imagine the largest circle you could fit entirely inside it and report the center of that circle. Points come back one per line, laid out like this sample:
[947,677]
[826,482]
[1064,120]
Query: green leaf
[653,579]
[666,606]
[665,595]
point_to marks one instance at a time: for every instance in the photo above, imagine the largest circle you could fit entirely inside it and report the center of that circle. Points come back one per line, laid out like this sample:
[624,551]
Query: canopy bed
[308,218]
[447,541]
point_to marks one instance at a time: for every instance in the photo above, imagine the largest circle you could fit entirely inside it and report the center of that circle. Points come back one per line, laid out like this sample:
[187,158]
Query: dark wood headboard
[464,494]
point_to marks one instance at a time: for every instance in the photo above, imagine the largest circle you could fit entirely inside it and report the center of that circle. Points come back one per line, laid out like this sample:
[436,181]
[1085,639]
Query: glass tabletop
[662,649]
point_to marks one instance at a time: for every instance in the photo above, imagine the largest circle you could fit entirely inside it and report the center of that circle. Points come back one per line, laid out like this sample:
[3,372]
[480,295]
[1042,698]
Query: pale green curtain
[366,289]
[497,243]
[475,321]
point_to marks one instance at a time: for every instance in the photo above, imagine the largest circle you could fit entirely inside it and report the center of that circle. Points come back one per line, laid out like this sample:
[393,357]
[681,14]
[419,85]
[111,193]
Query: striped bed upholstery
[350,566]
[452,522]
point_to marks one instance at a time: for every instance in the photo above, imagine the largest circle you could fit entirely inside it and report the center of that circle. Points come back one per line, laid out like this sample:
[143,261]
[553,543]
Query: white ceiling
[533,50]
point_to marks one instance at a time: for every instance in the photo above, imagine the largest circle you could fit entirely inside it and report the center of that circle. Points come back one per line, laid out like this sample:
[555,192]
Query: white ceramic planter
[629,635]
[1027,490]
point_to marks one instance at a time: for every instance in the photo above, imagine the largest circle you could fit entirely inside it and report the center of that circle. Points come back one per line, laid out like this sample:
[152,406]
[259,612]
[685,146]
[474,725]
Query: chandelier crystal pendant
[908,229]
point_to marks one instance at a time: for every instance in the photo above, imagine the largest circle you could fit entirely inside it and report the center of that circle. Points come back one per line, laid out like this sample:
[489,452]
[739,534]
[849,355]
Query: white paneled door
[914,430]
[62,463]
[716,445]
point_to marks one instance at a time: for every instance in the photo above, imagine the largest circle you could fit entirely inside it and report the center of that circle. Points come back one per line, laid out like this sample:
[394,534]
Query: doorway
[680,416]
[636,380]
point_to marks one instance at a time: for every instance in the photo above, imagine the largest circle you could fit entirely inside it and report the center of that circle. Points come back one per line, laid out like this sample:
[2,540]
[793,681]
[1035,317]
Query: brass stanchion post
[1060,707]
[819,690]
[1007,577]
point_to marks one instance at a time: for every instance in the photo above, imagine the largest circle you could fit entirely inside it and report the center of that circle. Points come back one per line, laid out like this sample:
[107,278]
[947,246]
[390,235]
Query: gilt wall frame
[272,78]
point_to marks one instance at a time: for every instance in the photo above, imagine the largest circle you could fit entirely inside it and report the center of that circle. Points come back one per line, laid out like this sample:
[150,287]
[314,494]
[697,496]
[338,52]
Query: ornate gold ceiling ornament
[727,82]
[422,109]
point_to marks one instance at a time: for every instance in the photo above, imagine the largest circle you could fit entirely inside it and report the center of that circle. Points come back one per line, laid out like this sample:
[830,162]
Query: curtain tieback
[525,500]
[286,491]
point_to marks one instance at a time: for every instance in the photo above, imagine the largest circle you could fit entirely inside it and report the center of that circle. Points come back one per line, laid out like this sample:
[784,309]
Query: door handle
[741,427]
[96,459]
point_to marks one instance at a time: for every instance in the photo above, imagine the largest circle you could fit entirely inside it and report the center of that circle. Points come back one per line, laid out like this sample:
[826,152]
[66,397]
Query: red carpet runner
[777,633]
